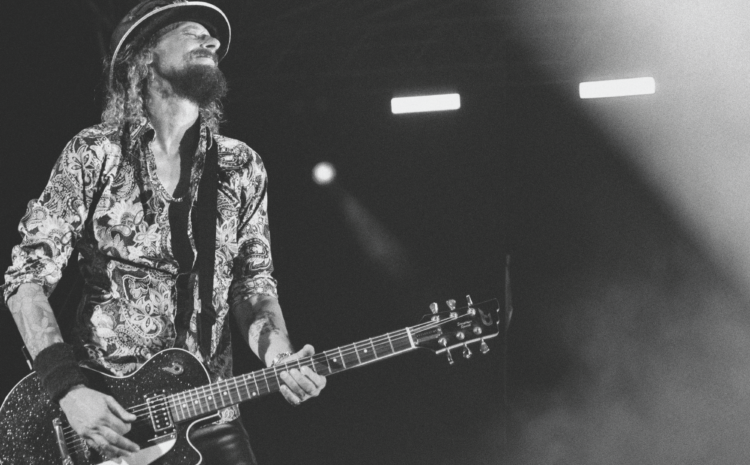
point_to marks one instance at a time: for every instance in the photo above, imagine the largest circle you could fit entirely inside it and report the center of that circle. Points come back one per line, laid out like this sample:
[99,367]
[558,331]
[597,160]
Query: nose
[211,43]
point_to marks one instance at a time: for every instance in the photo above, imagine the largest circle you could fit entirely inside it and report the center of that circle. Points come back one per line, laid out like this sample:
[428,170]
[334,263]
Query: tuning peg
[434,308]
[469,302]
[467,352]
[450,357]
[451,304]
[483,347]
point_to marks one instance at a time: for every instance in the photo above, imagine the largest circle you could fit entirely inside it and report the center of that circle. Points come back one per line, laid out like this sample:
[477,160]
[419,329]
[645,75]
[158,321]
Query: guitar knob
[443,341]
[483,347]
[450,357]
[477,330]
[451,304]
[469,302]
[460,336]
[467,352]
[434,308]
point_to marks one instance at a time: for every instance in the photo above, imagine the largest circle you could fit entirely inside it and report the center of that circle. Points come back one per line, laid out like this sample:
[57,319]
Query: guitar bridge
[61,444]
[158,412]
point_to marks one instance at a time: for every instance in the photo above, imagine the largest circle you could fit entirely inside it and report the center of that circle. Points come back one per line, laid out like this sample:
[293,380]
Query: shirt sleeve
[253,265]
[54,221]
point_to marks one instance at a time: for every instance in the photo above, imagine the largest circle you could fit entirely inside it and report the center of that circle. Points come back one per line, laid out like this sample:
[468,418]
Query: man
[130,194]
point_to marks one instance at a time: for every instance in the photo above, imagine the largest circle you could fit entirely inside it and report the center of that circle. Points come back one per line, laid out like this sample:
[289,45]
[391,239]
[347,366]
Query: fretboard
[212,397]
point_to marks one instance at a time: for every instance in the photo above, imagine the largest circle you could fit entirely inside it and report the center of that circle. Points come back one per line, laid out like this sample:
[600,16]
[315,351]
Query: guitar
[171,393]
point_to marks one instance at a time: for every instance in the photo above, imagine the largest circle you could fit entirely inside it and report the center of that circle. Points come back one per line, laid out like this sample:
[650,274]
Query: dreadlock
[126,92]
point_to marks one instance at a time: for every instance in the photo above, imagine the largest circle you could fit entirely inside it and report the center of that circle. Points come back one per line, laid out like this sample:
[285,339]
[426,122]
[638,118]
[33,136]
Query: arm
[95,416]
[262,325]
[34,317]
[48,233]
[253,297]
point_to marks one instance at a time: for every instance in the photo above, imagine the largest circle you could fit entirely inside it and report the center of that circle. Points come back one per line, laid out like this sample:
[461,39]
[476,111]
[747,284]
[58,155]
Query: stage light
[617,88]
[324,173]
[424,103]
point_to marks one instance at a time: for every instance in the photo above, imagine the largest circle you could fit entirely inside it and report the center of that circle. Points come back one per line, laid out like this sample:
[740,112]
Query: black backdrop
[597,260]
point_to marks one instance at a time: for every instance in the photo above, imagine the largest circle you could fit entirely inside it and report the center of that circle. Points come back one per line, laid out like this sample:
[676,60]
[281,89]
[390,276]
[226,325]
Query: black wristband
[58,370]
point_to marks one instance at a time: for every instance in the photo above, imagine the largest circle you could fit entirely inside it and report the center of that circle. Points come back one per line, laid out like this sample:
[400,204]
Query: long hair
[126,93]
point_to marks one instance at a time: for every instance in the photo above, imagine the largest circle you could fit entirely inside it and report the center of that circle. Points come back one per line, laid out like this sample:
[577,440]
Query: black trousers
[224,444]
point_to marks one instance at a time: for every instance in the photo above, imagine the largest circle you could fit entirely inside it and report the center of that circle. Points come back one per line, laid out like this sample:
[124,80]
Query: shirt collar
[143,132]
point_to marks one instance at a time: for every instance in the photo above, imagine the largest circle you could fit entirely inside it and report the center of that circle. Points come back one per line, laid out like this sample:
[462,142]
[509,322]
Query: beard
[200,84]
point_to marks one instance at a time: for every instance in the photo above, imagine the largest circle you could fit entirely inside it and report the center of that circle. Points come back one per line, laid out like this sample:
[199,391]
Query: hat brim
[206,14]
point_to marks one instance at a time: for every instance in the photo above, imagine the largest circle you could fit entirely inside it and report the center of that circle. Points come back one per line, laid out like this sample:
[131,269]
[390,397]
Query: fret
[330,371]
[236,390]
[388,335]
[374,352]
[351,358]
[189,403]
[383,348]
[197,403]
[177,406]
[276,382]
[356,352]
[202,398]
[268,386]
[335,363]
[247,388]
[402,342]
[365,354]
[312,364]
[255,392]
[275,373]
[210,398]
[222,392]
[341,356]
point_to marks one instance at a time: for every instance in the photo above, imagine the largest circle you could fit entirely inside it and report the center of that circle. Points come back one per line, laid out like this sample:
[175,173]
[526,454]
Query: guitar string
[315,358]
[194,396]
[308,361]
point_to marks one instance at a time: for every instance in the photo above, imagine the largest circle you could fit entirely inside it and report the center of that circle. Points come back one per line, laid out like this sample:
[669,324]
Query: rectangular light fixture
[617,88]
[424,103]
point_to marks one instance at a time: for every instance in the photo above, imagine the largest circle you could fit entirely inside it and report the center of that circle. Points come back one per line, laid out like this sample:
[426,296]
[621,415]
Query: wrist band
[279,357]
[58,370]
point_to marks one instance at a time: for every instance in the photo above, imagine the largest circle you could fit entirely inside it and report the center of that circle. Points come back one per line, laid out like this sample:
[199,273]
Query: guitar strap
[204,231]
[204,227]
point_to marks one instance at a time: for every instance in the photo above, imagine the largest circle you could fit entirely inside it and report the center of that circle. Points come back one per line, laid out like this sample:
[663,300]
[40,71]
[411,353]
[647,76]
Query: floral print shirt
[110,204]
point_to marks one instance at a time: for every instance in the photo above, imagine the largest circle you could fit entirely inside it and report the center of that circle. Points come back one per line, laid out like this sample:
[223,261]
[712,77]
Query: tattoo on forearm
[35,320]
[261,327]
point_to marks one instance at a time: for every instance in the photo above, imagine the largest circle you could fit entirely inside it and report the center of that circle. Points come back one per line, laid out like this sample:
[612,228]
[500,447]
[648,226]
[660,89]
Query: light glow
[617,88]
[424,103]
[324,173]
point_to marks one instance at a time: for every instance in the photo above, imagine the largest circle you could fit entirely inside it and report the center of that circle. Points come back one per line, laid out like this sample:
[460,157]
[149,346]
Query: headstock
[458,327]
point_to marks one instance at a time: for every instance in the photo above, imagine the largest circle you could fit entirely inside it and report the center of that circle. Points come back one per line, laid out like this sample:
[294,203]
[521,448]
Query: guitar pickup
[158,412]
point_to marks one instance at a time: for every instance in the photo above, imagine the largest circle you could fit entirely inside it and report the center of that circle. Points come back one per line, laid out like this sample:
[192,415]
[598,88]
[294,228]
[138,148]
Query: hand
[301,384]
[99,420]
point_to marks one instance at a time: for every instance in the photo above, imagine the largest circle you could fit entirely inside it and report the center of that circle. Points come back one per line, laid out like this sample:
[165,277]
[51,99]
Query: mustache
[205,53]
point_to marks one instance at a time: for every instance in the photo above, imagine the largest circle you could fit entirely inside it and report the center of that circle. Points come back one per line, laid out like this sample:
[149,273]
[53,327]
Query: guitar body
[27,435]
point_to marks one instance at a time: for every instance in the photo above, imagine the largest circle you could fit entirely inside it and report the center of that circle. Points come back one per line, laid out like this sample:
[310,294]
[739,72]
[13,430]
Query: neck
[172,117]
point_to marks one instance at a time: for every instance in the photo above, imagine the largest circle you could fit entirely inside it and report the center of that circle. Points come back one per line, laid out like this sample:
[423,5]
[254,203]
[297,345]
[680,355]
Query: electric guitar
[171,393]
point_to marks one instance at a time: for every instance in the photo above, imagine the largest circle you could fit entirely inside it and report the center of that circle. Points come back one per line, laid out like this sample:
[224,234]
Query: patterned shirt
[125,248]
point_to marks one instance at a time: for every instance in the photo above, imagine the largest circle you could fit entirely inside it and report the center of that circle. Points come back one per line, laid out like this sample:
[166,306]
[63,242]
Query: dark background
[612,356]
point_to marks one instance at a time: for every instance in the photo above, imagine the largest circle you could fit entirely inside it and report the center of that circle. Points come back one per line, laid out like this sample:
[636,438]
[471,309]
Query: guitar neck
[207,399]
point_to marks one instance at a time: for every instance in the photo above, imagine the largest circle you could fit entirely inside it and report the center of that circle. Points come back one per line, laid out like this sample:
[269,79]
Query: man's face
[189,44]
[186,58]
